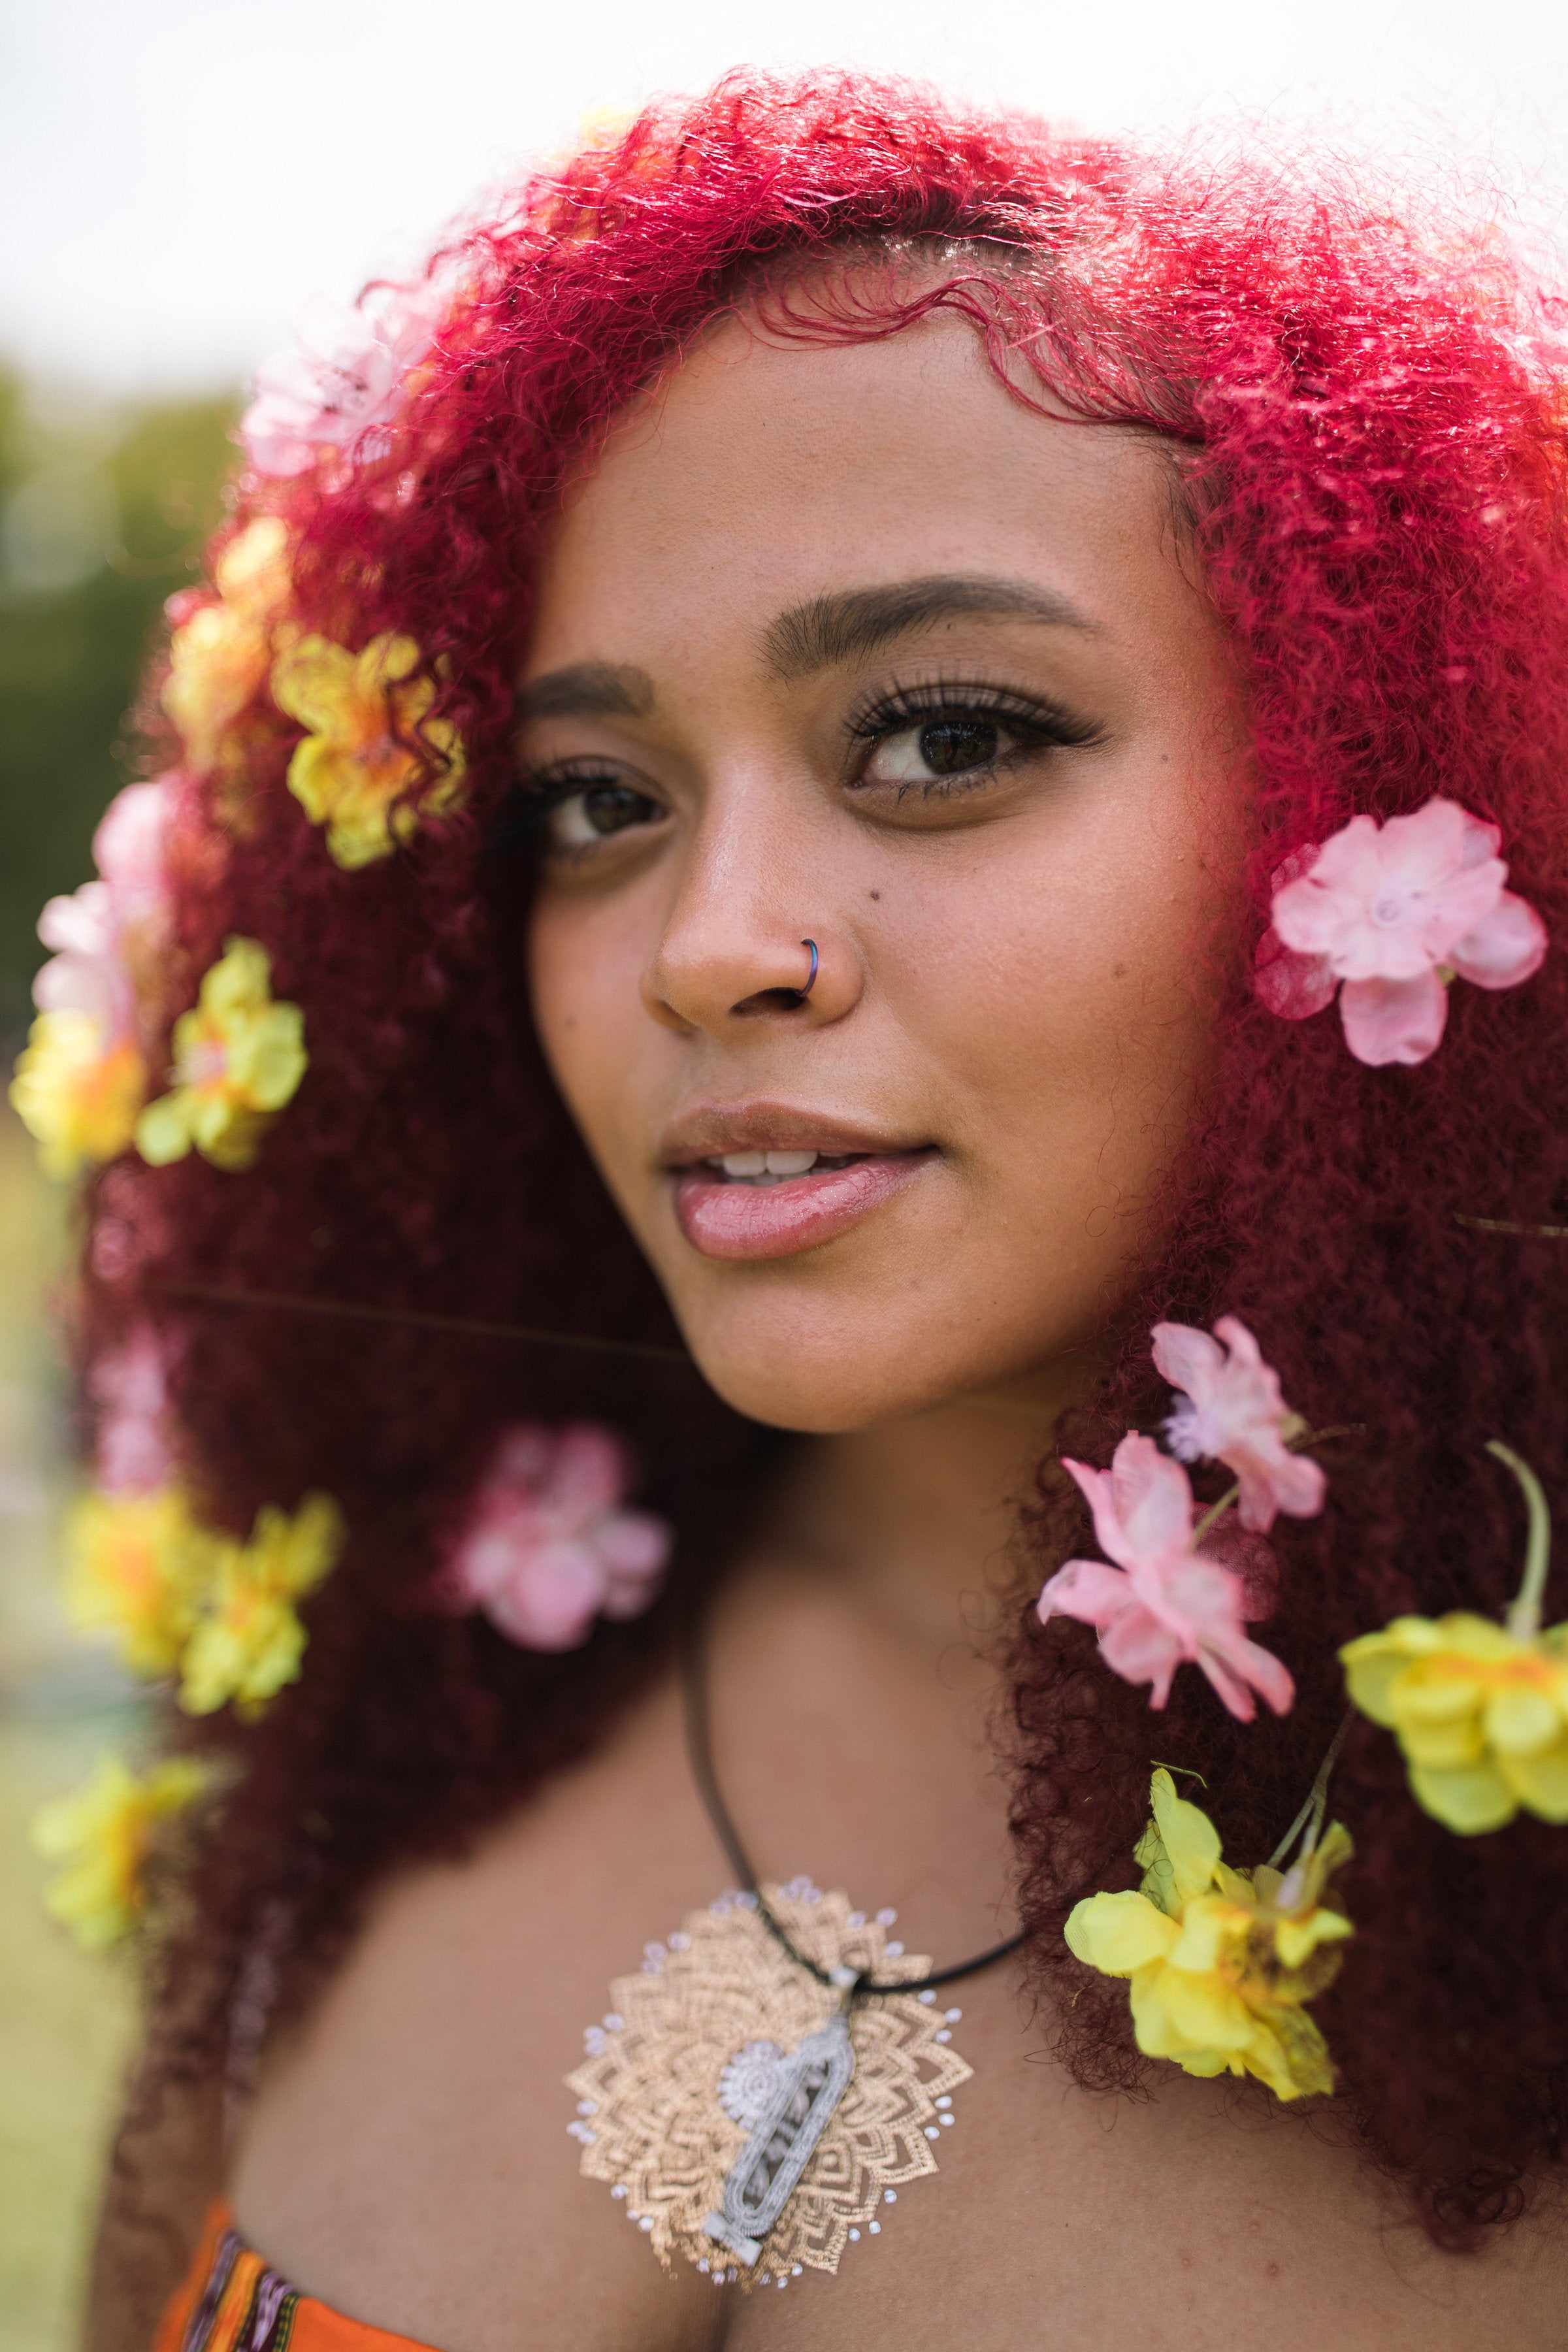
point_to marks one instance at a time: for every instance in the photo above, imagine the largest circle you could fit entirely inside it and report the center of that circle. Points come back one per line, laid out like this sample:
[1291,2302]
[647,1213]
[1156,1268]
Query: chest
[438,2150]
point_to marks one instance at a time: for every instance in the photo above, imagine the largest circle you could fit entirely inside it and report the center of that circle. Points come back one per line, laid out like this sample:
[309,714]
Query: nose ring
[811,977]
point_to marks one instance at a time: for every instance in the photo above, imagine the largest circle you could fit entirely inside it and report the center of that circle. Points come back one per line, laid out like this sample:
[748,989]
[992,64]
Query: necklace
[776,2072]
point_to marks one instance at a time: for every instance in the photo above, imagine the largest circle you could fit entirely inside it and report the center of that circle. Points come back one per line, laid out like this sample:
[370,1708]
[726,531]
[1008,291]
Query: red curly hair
[1369,446]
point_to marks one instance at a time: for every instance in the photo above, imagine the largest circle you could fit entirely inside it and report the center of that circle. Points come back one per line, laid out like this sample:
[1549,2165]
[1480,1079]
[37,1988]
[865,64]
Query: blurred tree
[104,516]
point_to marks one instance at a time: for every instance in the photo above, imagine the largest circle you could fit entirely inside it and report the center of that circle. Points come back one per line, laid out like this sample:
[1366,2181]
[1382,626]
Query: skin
[1007,1003]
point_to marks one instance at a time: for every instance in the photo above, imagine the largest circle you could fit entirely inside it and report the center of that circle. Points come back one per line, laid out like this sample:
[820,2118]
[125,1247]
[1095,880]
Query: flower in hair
[368,743]
[1163,1603]
[1220,1960]
[238,1059]
[342,391]
[134,1453]
[220,651]
[1480,1709]
[81,1080]
[1388,914]
[548,1546]
[248,1640]
[102,1834]
[1230,1410]
[77,1096]
[139,1566]
[1481,1713]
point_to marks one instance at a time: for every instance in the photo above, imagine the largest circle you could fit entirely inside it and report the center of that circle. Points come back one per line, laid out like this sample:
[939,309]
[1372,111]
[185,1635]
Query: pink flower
[546,1547]
[1163,1603]
[343,389]
[95,929]
[134,1454]
[1231,1410]
[1387,914]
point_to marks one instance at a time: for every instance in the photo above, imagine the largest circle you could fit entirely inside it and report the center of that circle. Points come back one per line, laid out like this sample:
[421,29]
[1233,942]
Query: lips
[778,1216]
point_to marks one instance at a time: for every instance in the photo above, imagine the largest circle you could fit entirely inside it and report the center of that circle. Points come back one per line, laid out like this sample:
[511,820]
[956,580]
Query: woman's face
[841,644]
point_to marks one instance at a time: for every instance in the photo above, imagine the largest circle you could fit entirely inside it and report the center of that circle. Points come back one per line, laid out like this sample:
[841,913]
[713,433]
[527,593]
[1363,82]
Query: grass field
[66,2021]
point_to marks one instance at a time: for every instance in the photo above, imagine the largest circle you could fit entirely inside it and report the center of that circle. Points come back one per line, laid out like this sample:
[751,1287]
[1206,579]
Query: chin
[827,1374]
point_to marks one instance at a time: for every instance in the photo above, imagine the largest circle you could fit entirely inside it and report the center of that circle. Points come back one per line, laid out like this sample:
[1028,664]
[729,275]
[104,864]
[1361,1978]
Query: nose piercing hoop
[811,977]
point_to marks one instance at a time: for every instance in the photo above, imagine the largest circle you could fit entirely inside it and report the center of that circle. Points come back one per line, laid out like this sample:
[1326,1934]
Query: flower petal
[1117,1933]
[1470,1800]
[1394,1020]
[1087,1589]
[1504,947]
[1291,984]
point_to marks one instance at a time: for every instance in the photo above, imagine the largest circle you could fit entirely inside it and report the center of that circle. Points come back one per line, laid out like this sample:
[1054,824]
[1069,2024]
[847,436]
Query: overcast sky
[175,175]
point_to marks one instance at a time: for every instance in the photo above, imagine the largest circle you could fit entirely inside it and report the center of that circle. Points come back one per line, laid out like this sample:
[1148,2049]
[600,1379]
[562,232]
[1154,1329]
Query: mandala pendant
[741,2117]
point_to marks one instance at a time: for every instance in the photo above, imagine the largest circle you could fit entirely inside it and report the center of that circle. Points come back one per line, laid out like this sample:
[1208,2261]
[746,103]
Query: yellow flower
[75,1094]
[1480,1712]
[238,1058]
[249,1641]
[220,655]
[102,1834]
[138,1564]
[1220,1960]
[361,712]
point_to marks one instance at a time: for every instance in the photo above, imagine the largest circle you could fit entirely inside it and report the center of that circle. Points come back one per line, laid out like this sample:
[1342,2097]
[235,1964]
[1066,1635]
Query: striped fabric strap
[243,2307]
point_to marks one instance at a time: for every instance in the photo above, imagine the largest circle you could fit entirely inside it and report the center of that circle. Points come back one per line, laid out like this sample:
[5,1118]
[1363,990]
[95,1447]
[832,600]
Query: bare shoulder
[1178,2222]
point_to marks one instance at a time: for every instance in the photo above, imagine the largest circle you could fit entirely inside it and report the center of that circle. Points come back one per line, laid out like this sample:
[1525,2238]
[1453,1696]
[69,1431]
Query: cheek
[585,970]
[1059,995]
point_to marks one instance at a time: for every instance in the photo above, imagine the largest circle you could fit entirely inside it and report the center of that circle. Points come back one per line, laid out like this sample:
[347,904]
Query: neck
[914,1515]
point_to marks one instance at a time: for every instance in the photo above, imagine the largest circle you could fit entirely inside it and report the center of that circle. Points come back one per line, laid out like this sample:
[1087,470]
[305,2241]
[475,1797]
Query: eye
[936,738]
[581,819]
[948,746]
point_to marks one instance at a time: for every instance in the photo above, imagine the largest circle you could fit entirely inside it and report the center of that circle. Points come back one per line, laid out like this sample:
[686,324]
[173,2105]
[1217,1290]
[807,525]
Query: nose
[750,938]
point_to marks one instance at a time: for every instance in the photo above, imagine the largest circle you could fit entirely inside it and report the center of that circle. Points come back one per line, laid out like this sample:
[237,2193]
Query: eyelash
[877,720]
[882,716]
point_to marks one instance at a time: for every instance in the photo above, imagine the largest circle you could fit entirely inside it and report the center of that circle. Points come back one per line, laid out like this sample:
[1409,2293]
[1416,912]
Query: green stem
[1523,1619]
[1215,1511]
[1313,1812]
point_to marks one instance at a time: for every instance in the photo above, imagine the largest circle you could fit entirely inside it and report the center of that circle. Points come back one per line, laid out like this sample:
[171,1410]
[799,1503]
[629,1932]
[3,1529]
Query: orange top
[231,2302]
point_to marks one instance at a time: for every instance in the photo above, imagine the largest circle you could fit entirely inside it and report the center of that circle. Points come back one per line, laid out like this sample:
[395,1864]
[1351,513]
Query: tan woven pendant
[744,2121]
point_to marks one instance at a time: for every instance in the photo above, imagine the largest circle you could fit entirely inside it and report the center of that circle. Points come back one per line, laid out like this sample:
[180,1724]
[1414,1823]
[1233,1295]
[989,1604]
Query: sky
[178,175]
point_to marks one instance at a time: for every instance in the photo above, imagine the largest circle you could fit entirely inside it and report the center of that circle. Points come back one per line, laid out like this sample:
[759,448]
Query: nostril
[770,1000]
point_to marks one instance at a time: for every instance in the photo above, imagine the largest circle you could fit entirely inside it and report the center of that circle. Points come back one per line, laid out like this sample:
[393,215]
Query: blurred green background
[103,510]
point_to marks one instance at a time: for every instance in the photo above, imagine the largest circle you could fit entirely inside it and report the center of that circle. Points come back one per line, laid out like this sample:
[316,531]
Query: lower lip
[738,1220]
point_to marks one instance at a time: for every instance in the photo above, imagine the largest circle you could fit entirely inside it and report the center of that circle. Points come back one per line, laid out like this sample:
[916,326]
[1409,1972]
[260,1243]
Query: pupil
[610,807]
[948,746]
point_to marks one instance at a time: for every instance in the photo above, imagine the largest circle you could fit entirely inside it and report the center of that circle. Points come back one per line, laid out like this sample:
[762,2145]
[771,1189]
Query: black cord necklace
[699,1748]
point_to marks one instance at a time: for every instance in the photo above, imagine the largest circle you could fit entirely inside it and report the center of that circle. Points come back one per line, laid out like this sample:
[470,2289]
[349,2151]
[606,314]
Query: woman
[779,777]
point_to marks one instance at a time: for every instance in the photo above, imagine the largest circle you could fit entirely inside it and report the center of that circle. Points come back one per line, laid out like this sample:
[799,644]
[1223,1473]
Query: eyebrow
[817,634]
[589,690]
[828,630]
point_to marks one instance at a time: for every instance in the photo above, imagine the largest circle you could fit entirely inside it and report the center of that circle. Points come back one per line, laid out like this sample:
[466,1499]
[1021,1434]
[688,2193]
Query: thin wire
[699,1748]
[297,1302]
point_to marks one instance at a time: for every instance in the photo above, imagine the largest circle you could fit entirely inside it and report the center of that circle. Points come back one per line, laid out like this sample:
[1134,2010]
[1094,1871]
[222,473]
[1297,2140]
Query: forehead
[762,473]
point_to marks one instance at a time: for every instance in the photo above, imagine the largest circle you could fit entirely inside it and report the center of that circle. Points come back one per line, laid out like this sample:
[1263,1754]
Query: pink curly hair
[1367,448]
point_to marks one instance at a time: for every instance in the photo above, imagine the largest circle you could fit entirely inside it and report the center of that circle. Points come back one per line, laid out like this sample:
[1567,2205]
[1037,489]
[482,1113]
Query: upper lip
[709,1129]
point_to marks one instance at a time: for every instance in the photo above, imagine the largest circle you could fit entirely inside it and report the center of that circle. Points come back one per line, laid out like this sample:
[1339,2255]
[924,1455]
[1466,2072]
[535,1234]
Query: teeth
[754,1164]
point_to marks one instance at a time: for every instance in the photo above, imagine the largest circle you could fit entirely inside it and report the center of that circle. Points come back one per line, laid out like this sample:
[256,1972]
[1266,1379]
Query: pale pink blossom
[343,387]
[1231,1410]
[547,1546]
[93,930]
[1386,915]
[130,1387]
[1163,1604]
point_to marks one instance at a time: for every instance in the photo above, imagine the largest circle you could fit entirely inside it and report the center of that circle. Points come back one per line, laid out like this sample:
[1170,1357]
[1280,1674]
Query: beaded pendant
[745,2120]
